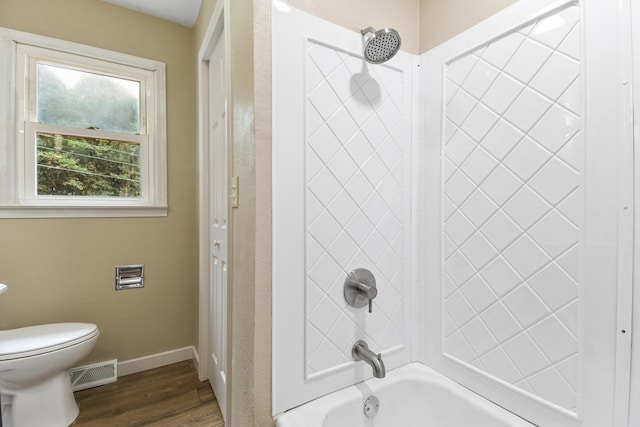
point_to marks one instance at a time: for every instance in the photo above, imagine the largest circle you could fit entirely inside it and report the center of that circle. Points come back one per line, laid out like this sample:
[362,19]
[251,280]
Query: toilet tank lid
[43,338]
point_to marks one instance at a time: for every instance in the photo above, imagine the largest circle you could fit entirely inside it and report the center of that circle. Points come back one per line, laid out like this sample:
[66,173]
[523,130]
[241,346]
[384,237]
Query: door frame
[217,30]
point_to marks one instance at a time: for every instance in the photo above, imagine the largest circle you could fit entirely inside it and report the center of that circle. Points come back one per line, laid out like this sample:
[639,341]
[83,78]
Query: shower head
[380,46]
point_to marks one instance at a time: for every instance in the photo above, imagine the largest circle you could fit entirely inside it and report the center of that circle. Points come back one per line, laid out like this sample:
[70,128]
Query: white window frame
[19,54]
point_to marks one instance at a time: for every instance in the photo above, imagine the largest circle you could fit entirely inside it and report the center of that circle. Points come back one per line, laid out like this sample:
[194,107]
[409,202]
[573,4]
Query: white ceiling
[183,12]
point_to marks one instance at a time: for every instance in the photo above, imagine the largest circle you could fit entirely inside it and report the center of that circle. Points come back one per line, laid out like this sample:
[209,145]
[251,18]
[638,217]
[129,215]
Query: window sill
[16,211]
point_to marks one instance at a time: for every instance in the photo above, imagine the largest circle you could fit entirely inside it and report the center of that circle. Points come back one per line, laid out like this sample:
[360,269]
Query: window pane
[85,100]
[78,166]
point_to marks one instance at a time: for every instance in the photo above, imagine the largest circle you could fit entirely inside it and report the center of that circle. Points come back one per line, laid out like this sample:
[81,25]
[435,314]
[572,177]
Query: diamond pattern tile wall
[354,203]
[513,160]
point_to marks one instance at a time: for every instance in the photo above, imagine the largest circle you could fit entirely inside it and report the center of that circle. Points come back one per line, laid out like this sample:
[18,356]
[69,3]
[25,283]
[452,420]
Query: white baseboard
[156,360]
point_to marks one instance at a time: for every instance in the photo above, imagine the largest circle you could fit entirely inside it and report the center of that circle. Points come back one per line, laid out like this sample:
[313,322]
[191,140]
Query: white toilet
[35,388]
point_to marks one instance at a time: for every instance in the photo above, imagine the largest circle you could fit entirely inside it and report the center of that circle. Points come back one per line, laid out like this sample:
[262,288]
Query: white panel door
[527,212]
[218,210]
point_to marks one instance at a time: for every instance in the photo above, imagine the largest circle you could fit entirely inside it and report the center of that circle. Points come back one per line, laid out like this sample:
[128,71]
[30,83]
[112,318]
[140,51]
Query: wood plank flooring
[169,396]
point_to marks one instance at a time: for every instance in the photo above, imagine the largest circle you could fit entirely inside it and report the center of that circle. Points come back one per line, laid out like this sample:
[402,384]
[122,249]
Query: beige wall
[63,269]
[440,20]
[262,91]
[358,14]
[204,16]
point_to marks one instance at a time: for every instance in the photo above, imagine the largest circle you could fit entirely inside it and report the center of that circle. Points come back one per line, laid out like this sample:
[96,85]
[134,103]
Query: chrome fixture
[360,351]
[360,288]
[371,406]
[380,46]
[129,277]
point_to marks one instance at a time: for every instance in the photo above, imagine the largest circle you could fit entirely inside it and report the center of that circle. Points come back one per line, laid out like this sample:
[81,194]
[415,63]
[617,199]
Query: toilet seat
[35,340]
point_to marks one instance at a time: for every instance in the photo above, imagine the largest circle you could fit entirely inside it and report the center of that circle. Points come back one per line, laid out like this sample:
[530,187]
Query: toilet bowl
[35,387]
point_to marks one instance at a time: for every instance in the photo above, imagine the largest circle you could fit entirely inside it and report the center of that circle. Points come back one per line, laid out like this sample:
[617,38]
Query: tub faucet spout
[361,351]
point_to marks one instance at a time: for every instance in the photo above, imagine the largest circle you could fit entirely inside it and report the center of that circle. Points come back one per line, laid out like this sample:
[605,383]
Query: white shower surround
[520,342]
[343,199]
[355,203]
[544,361]
[512,201]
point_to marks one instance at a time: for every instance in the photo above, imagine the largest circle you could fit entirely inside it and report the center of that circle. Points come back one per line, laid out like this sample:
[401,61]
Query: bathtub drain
[371,406]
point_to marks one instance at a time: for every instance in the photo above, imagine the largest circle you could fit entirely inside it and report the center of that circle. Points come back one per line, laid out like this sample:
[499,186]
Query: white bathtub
[410,396]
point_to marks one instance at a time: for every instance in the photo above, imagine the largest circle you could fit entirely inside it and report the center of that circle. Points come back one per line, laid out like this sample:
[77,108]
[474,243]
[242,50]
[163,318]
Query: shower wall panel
[353,203]
[526,218]
[342,200]
[514,157]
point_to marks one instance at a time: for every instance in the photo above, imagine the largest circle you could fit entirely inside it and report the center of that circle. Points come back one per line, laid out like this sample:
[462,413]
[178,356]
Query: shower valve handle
[360,288]
[369,292]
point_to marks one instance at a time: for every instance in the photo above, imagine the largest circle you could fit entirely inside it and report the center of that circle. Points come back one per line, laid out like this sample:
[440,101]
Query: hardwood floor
[169,396]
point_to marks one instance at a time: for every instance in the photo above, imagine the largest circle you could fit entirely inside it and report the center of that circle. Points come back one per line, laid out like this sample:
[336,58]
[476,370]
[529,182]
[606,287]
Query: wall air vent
[84,377]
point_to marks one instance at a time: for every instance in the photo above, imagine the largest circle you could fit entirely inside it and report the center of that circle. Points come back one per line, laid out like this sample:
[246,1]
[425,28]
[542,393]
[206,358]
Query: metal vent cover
[88,376]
